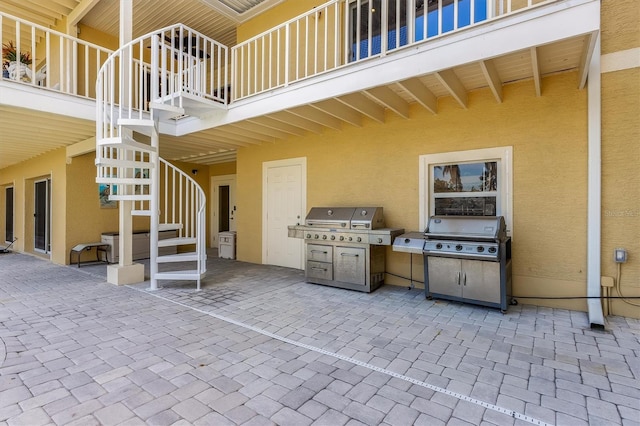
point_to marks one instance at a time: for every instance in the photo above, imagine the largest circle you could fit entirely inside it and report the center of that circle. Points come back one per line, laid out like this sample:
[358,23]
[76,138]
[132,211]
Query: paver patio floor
[259,346]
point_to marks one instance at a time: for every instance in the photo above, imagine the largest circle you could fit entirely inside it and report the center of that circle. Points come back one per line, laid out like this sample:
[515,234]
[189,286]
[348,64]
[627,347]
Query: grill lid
[345,217]
[482,228]
[367,218]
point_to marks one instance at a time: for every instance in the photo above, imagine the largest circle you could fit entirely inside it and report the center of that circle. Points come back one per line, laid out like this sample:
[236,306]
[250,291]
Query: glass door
[8,227]
[42,204]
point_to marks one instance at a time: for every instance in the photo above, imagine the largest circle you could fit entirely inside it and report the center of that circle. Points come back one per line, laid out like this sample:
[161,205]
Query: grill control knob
[316,236]
[380,240]
[492,249]
[480,249]
[438,246]
[324,237]
[308,235]
[341,238]
[333,237]
[350,238]
[459,247]
[359,239]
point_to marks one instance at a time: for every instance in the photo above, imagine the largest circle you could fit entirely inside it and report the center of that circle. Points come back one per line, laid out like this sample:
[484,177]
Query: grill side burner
[344,246]
[466,259]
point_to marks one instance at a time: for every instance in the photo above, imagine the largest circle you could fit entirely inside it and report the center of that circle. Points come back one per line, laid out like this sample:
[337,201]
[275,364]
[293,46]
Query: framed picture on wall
[104,190]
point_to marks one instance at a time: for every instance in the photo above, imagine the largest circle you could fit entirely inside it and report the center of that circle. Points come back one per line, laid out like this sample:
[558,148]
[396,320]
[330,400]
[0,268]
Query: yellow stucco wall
[274,16]
[86,219]
[378,165]
[619,23]
[621,181]
[22,176]
[621,154]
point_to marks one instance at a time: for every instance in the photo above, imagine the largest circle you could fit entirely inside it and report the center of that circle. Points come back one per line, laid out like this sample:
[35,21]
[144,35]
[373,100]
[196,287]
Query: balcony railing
[328,37]
[50,58]
[342,32]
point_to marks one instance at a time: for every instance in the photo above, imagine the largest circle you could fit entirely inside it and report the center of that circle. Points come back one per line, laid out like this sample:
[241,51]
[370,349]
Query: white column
[126,272]
[596,318]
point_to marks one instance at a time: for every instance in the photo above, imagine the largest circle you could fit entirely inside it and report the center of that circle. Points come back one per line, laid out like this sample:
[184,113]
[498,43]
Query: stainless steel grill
[466,258]
[345,246]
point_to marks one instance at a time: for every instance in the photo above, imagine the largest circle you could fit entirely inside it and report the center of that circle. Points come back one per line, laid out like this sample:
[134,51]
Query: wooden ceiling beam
[390,99]
[535,66]
[493,79]
[585,60]
[292,119]
[420,93]
[278,125]
[452,83]
[263,130]
[364,105]
[312,114]
[340,111]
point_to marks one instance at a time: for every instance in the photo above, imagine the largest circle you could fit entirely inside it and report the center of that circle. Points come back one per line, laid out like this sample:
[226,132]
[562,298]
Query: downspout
[594,117]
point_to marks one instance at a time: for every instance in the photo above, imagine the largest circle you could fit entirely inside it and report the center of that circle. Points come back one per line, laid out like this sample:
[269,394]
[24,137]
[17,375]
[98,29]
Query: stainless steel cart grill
[466,258]
[345,246]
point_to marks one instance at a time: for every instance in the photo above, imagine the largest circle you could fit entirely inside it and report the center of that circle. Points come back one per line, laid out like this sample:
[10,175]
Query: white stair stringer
[182,207]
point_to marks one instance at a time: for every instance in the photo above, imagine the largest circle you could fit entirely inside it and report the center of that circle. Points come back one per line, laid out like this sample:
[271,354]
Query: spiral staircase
[142,89]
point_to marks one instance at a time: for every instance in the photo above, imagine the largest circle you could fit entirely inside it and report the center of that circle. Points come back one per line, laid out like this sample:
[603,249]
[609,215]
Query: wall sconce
[194,171]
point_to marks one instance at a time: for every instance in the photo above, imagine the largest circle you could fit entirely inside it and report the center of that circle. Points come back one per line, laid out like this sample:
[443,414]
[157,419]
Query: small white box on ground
[227,245]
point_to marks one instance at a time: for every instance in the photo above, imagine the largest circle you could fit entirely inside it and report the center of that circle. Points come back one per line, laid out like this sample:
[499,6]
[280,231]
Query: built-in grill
[345,246]
[466,258]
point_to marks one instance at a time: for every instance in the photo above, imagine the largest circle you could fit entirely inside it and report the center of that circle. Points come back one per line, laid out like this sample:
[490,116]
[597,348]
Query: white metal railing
[49,58]
[159,67]
[341,32]
[182,201]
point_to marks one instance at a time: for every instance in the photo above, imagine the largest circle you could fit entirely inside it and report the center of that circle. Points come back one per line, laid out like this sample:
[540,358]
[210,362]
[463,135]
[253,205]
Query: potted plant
[10,57]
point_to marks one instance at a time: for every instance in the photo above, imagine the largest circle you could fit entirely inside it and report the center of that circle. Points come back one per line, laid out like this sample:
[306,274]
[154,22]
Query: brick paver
[76,350]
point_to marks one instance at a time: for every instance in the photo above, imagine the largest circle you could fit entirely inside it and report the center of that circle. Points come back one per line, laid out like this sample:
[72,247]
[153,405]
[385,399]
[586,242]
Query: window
[366,26]
[471,183]
[421,20]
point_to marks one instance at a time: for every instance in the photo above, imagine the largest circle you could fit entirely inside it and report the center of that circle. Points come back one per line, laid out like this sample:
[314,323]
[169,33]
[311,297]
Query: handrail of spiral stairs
[139,85]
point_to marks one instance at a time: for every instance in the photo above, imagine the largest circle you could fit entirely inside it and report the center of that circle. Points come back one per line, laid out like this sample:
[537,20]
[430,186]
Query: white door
[223,206]
[284,204]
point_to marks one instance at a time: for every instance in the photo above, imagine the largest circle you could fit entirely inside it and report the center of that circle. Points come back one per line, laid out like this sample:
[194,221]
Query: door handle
[464,279]
[349,254]
[458,277]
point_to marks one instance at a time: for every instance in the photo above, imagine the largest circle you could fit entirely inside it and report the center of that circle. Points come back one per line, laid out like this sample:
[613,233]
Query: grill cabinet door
[350,265]
[444,276]
[481,280]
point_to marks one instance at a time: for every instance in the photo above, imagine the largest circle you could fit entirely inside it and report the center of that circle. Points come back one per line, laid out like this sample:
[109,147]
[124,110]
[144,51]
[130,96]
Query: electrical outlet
[620,255]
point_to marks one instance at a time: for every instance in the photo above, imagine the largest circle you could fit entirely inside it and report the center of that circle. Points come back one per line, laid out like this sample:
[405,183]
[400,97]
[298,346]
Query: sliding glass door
[8,226]
[42,215]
